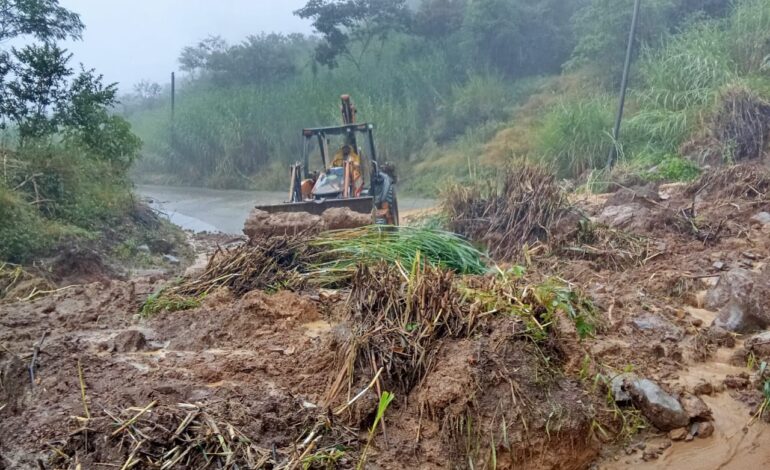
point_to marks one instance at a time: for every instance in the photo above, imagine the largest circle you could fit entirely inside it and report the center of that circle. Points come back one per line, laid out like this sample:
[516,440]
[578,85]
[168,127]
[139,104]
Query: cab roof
[338,130]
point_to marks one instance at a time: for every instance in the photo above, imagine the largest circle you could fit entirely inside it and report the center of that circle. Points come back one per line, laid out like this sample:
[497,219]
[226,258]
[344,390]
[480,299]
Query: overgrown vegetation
[64,154]
[441,78]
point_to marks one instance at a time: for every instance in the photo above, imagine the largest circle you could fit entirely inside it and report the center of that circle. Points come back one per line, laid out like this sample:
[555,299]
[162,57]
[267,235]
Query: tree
[41,95]
[45,20]
[196,58]
[349,27]
[38,84]
[602,28]
[438,19]
[259,58]
[86,120]
[519,37]
[146,90]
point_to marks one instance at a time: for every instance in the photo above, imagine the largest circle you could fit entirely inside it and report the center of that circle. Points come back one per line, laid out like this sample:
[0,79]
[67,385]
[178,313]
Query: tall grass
[675,93]
[575,136]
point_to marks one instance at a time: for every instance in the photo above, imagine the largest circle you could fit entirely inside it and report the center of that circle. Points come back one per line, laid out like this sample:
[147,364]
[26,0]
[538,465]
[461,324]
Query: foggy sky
[132,40]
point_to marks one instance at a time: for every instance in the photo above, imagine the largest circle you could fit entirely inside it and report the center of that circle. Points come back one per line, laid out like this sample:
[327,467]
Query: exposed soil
[264,363]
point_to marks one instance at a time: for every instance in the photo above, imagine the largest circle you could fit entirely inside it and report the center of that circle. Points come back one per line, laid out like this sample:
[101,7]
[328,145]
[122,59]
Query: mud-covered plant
[162,301]
[385,399]
[555,296]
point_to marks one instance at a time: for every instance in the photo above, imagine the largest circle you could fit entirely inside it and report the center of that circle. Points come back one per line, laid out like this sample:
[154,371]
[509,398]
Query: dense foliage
[440,78]
[65,154]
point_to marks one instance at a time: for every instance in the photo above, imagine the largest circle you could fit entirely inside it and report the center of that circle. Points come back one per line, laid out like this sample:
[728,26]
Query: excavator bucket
[362,205]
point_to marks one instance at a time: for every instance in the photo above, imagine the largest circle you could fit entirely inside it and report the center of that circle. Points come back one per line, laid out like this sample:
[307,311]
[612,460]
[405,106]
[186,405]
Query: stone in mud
[14,383]
[703,388]
[622,216]
[678,434]
[618,388]
[761,218]
[129,341]
[661,408]
[702,429]
[740,381]
[695,408]
[759,344]
[720,337]
[659,325]
[741,296]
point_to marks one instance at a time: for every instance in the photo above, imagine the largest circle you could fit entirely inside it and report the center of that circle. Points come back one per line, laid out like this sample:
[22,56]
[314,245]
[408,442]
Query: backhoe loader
[349,175]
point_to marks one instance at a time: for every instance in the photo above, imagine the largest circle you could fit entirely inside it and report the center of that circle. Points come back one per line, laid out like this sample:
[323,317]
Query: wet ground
[215,210]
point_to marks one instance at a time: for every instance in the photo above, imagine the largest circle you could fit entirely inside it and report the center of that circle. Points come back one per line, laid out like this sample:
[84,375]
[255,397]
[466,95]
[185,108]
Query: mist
[133,40]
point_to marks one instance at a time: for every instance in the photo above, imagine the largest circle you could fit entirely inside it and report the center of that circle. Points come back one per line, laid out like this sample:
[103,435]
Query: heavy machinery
[350,175]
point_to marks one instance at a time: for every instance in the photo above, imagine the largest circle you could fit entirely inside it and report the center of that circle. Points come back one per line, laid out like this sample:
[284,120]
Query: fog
[133,40]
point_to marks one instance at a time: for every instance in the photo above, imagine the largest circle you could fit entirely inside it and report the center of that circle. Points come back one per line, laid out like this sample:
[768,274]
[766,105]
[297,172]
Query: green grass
[575,135]
[343,251]
[385,399]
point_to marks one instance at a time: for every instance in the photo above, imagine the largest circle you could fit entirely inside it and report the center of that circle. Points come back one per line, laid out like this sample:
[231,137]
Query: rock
[761,218]
[740,381]
[740,296]
[129,341]
[622,216]
[617,386]
[720,337]
[659,407]
[759,345]
[143,249]
[654,323]
[718,265]
[703,388]
[171,259]
[695,408]
[678,434]
[702,429]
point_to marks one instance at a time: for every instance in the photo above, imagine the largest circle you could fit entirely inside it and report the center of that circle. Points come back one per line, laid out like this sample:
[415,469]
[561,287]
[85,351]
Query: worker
[347,154]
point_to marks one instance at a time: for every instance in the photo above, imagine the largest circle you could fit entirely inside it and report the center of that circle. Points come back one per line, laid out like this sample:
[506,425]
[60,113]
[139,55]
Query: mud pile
[658,378]
[261,224]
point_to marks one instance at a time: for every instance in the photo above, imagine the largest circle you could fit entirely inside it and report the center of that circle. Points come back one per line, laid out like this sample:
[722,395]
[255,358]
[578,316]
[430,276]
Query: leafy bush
[23,232]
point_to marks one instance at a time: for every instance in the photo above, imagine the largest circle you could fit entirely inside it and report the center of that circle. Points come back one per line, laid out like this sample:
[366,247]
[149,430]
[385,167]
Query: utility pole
[173,106]
[624,86]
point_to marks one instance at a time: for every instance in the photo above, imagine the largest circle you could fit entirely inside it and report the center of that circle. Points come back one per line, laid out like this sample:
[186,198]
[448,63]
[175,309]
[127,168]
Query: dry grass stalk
[397,318]
[741,124]
[265,264]
[164,437]
[507,215]
[612,248]
[738,181]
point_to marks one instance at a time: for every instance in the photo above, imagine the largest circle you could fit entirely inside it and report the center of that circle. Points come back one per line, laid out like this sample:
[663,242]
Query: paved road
[213,210]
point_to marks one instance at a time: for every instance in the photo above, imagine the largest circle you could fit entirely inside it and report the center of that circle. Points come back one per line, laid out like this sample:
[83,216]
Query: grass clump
[508,214]
[165,302]
[341,252]
[575,136]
